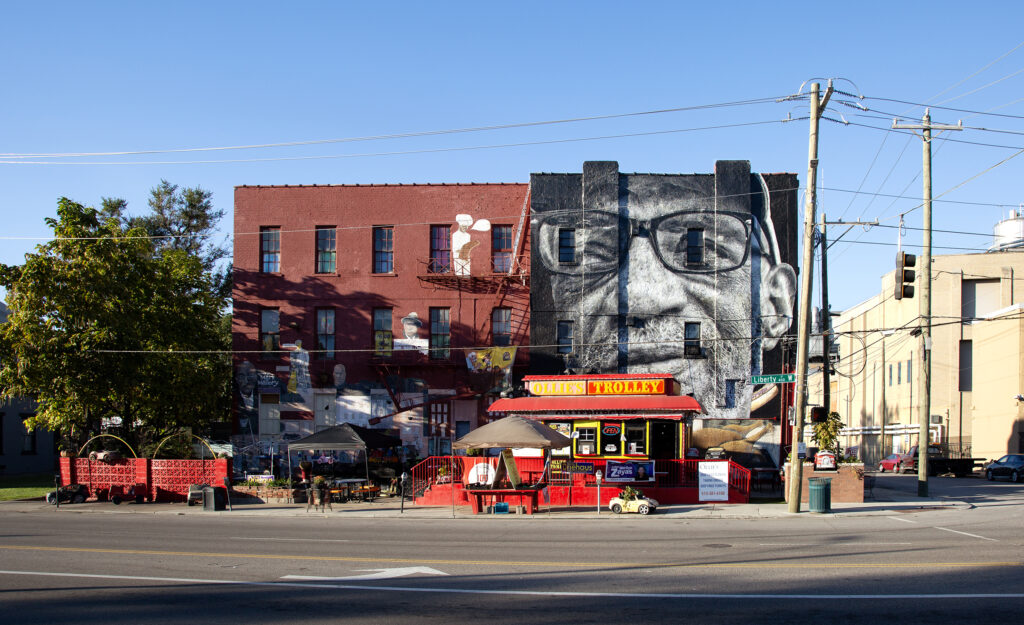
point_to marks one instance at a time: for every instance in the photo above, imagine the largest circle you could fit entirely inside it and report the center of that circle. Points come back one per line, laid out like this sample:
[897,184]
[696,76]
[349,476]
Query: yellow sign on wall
[598,387]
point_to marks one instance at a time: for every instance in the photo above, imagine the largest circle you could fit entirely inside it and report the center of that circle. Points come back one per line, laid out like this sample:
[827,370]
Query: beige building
[977,343]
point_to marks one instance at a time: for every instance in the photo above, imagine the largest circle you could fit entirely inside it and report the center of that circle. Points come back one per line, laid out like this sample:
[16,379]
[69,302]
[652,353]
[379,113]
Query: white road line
[530,593]
[308,540]
[946,529]
[831,546]
[896,518]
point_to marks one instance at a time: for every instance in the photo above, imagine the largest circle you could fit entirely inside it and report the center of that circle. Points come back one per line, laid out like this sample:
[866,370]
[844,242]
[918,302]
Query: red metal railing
[437,470]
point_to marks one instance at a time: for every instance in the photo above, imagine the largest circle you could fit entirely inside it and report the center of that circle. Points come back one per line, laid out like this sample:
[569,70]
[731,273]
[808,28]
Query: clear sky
[138,76]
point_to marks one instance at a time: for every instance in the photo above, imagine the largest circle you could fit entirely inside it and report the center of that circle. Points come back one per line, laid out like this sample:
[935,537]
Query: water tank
[1008,233]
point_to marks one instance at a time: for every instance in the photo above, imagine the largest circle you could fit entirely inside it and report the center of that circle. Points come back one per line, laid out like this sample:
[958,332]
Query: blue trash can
[820,495]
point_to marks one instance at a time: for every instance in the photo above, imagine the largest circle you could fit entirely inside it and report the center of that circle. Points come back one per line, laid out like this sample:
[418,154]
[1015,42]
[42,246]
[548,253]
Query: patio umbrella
[513,431]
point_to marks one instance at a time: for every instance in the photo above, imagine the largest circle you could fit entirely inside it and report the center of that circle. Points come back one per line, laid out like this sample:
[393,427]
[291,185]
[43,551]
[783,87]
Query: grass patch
[29,486]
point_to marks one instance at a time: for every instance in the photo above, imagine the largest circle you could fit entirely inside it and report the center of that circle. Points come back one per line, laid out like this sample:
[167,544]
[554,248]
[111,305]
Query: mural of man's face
[667,270]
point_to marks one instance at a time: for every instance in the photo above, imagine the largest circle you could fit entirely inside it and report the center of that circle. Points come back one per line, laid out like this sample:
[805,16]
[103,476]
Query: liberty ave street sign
[777,378]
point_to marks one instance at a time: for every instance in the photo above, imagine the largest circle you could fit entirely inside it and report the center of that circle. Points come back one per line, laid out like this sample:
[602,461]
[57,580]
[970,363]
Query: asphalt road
[928,566]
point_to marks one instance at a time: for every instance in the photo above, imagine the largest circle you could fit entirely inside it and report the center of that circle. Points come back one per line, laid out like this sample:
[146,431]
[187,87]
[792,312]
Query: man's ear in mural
[778,296]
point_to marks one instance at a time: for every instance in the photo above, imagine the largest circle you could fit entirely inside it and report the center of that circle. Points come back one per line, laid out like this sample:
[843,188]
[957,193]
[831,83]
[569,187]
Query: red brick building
[381,305]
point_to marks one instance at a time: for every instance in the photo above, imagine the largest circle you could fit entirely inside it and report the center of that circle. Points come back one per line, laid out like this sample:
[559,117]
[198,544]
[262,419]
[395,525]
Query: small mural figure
[298,377]
[411,325]
[462,244]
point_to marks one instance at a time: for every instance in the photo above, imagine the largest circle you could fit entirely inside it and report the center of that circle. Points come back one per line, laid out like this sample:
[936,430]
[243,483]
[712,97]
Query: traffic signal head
[818,414]
[904,278]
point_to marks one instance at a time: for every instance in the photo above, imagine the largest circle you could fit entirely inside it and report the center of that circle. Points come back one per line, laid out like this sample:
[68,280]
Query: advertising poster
[713,480]
[630,471]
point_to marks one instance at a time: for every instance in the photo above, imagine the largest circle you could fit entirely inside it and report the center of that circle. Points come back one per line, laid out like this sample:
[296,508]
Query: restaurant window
[326,249]
[586,442]
[695,246]
[270,330]
[501,248]
[440,333]
[440,249]
[611,439]
[564,337]
[325,334]
[501,327]
[636,438]
[383,249]
[567,245]
[270,249]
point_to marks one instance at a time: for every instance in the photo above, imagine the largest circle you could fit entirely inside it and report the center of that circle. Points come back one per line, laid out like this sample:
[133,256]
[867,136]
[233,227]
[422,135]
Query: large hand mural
[679,274]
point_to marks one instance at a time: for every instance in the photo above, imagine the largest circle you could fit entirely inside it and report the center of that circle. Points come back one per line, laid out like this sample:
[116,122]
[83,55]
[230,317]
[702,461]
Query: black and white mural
[688,274]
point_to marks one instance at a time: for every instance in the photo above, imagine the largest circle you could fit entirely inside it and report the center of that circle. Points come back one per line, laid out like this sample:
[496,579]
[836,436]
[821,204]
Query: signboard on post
[713,481]
[775,378]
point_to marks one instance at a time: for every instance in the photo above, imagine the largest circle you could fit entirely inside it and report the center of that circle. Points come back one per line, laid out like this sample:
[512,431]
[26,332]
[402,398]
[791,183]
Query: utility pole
[795,475]
[924,373]
[826,323]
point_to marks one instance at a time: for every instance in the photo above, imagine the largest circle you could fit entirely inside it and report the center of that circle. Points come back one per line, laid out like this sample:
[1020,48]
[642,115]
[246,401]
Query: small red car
[890,463]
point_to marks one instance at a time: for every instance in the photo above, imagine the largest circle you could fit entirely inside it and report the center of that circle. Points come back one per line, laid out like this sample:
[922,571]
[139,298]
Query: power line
[406,135]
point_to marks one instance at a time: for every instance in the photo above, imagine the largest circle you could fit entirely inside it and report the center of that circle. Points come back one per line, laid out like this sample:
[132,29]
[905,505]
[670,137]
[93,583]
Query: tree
[826,433]
[108,327]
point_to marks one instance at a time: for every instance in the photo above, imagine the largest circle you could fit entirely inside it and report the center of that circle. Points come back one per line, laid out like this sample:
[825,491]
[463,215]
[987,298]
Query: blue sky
[116,77]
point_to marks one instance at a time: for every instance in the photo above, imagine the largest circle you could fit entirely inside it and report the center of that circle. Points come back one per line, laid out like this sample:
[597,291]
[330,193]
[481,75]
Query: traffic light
[904,275]
[818,414]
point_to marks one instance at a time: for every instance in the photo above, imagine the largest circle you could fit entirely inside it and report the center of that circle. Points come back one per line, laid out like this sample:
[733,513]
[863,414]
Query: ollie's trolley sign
[629,386]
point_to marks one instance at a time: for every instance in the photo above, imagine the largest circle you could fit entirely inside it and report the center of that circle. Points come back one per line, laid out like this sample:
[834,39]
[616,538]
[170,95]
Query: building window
[564,337]
[586,443]
[270,329]
[730,394]
[566,245]
[966,367]
[635,438]
[501,249]
[325,333]
[501,326]
[440,249]
[899,373]
[691,339]
[382,339]
[890,375]
[270,250]
[326,252]
[909,360]
[28,440]
[695,246]
[383,249]
[440,333]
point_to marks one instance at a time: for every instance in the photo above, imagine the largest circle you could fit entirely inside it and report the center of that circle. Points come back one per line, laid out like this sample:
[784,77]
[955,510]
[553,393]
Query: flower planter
[847,482]
[265,494]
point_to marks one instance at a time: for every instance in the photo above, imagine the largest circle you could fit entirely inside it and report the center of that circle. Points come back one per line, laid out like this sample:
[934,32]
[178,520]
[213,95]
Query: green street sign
[778,378]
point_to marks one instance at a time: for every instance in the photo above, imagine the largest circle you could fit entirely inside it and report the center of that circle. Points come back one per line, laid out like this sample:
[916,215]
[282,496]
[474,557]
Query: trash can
[213,498]
[820,496]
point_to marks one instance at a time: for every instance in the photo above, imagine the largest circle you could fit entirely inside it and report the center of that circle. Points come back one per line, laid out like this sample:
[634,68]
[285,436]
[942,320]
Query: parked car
[1010,466]
[889,463]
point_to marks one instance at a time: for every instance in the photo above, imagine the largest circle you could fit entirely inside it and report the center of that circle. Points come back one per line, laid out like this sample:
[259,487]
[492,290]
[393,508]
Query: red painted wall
[354,291]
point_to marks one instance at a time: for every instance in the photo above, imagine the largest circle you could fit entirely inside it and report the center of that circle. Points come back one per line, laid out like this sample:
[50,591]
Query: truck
[940,462]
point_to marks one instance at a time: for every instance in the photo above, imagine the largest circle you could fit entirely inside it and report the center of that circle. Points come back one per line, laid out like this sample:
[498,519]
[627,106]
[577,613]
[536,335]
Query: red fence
[157,480]
[675,481]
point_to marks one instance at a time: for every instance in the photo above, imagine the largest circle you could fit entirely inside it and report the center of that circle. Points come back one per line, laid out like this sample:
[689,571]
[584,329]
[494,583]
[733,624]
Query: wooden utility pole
[924,372]
[795,475]
[826,324]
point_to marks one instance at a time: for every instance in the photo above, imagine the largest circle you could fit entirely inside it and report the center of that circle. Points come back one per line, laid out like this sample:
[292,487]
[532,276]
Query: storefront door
[664,440]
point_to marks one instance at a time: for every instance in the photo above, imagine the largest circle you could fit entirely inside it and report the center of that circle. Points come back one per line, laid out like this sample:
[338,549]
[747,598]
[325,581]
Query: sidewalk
[885,502]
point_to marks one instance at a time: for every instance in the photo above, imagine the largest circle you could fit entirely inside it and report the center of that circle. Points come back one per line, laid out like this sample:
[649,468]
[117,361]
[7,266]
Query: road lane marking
[896,518]
[376,574]
[830,545]
[946,529]
[527,593]
[307,540]
[759,564]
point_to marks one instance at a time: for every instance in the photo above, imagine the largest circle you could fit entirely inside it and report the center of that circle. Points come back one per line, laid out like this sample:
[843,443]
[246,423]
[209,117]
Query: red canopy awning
[607,404]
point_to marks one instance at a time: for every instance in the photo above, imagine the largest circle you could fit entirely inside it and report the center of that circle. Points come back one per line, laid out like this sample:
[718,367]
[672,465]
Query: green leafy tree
[107,326]
[826,433]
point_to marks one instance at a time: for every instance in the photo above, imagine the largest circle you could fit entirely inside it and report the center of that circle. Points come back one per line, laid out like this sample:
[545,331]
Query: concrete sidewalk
[884,502]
